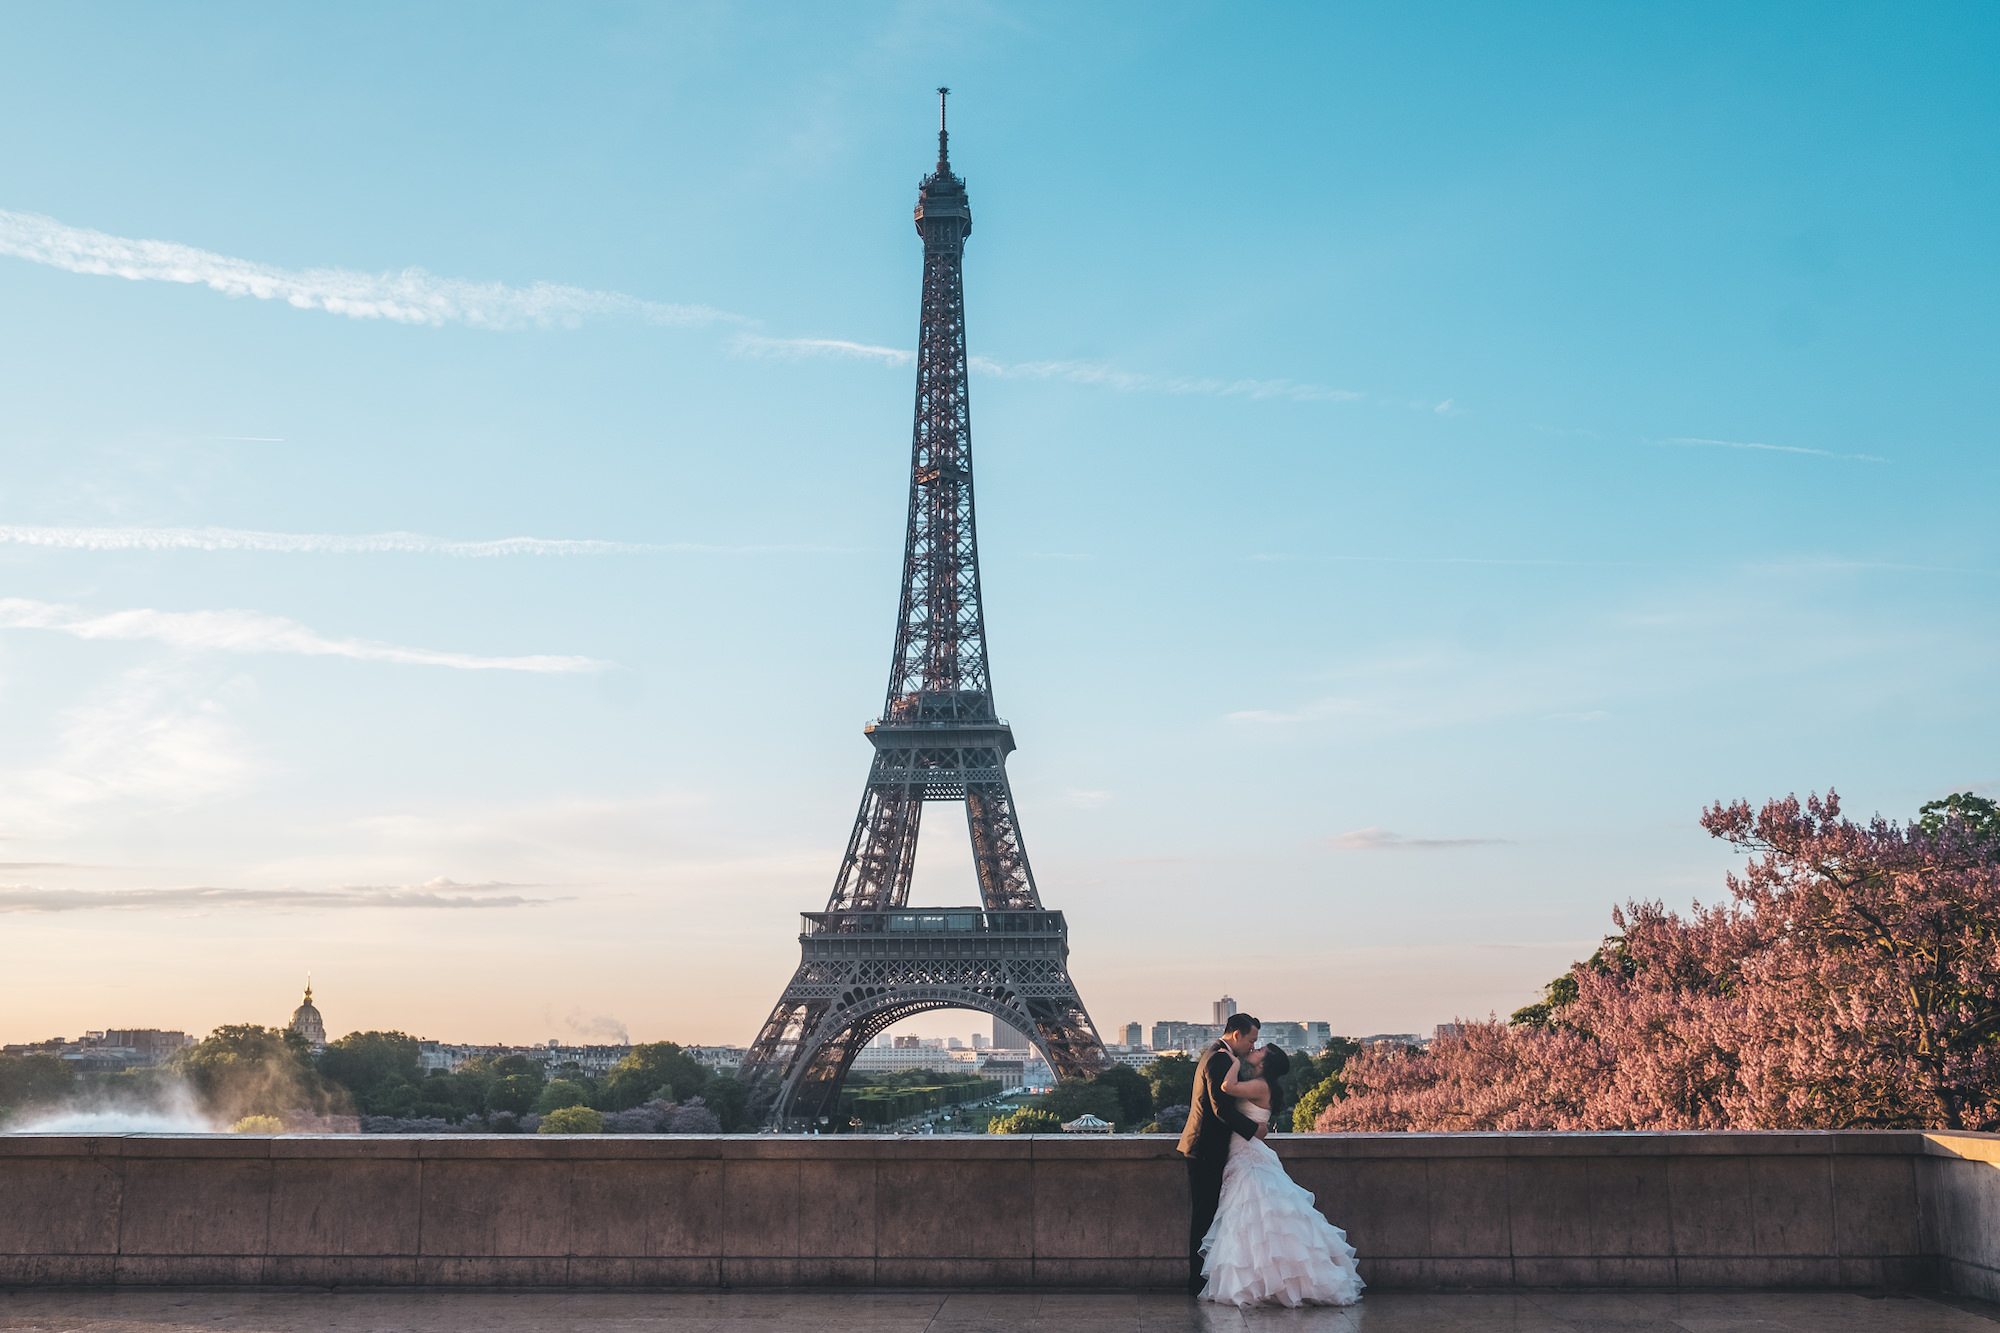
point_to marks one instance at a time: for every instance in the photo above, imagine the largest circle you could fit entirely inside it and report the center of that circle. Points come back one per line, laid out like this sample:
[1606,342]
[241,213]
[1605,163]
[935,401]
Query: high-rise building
[1176,1036]
[1134,1035]
[1006,1038]
[1224,1009]
[980,1041]
[1277,1032]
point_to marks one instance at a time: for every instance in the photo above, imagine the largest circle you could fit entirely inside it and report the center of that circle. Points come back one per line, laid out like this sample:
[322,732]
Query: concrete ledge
[1859,1210]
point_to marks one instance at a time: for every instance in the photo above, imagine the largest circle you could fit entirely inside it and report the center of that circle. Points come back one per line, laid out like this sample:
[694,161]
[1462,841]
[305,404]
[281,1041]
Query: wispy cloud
[752,344]
[1382,840]
[1073,372]
[414,296]
[1693,442]
[434,893]
[142,741]
[410,296]
[318,543]
[252,632]
[1126,381]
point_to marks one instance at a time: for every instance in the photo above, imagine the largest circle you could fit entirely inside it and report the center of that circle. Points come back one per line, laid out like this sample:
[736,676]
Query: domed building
[307,1022]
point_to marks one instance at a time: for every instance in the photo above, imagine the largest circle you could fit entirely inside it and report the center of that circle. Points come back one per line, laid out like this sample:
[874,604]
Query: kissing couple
[1254,1236]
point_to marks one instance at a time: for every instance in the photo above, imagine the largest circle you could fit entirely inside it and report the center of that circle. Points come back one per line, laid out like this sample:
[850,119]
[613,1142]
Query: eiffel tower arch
[870,960]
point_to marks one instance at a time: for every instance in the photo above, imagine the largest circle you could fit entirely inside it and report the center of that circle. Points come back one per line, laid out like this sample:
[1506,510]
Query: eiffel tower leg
[1069,1038]
[882,849]
[997,854]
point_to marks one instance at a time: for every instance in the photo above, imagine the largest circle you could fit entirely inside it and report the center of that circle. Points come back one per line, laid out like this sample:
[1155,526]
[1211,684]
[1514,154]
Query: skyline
[450,530]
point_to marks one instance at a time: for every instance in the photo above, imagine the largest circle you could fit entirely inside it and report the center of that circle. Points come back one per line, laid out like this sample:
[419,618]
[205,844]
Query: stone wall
[1859,1210]
[1962,1198]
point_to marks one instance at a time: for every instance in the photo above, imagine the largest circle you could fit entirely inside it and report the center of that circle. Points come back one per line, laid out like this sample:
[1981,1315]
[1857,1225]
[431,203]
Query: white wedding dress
[1268,1242]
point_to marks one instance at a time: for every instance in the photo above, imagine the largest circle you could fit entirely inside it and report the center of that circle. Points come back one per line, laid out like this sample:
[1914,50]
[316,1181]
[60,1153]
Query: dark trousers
[1205,1193]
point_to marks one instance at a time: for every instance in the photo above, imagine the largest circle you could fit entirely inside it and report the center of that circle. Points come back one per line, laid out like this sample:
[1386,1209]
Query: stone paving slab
[184,1311]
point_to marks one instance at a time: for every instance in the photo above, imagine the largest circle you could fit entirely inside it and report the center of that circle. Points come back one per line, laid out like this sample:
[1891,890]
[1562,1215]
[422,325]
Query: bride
[1268,1242]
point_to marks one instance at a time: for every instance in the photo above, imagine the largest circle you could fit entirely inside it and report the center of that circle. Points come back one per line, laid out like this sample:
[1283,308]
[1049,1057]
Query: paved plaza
[176,1311]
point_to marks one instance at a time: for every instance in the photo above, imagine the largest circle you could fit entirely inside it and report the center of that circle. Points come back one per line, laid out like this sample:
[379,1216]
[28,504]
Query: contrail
[1073,372]
[252,632]
[411,296]
[436,893]
[1689,441]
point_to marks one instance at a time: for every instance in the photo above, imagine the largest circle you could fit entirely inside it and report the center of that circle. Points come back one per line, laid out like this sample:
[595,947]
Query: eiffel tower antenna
[870,960]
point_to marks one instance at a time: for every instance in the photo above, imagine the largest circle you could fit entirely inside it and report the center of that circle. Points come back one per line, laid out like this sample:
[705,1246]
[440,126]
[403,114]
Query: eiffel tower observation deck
[870,960]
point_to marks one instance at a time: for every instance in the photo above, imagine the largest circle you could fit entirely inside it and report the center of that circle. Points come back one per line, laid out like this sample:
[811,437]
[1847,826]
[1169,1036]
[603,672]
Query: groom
[1212,1118]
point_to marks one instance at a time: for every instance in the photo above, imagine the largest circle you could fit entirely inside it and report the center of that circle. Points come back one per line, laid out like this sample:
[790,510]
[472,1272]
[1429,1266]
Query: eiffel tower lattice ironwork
[870,960]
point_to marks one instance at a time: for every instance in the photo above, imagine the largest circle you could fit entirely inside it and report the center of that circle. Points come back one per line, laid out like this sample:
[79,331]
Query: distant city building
[885,1059]
[1007,1072]
[1224,1009]
[980,1041]
[1445,1030]
[1318,1035]
[1391,1039]
[149,1045]
[1138,1059]
[1006,1038]
[307,1022]
[1175,1036]
[953,1044]
[1291,1036]
[109,1051]
[554,1057]
[1134,1035]
[722,1059]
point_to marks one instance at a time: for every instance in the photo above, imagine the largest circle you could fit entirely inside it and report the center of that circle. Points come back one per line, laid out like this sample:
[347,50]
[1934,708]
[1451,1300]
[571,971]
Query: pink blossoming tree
[1854,980]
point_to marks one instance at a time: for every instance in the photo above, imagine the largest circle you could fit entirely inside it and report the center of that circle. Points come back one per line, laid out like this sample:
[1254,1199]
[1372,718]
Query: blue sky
[1424,456]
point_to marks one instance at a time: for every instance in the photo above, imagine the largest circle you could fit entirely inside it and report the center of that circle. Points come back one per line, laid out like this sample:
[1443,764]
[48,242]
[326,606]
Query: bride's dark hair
[1276,1065]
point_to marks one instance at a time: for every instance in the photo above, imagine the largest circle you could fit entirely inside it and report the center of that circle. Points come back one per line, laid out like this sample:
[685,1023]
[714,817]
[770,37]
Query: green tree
[1135,1094]
[1974,815]
[1027,1120]
[656,1070]
[730,1100]
[514,1093]
[32,1080]
[1305,1114]
[451,1096]
[558,1093]
[1172,1080]
[571,1120]
[245,1069]
[1073,1097]
[380,1070]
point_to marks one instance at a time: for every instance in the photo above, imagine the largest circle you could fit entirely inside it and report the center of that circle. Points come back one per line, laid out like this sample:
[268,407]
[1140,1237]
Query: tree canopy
[1852,981]
[658,1070]
[245,1069]
[32,1080]
[1171,1078]
[1027,1120]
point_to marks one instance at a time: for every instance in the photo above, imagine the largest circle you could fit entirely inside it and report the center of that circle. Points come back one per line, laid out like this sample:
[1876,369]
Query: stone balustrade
[1861,1210]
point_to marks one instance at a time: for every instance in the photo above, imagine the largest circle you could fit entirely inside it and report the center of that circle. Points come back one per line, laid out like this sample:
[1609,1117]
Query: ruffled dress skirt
[1268,1244]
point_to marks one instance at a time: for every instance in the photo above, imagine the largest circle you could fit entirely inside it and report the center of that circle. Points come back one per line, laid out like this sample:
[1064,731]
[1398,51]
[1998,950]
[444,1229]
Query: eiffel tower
[870,960]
